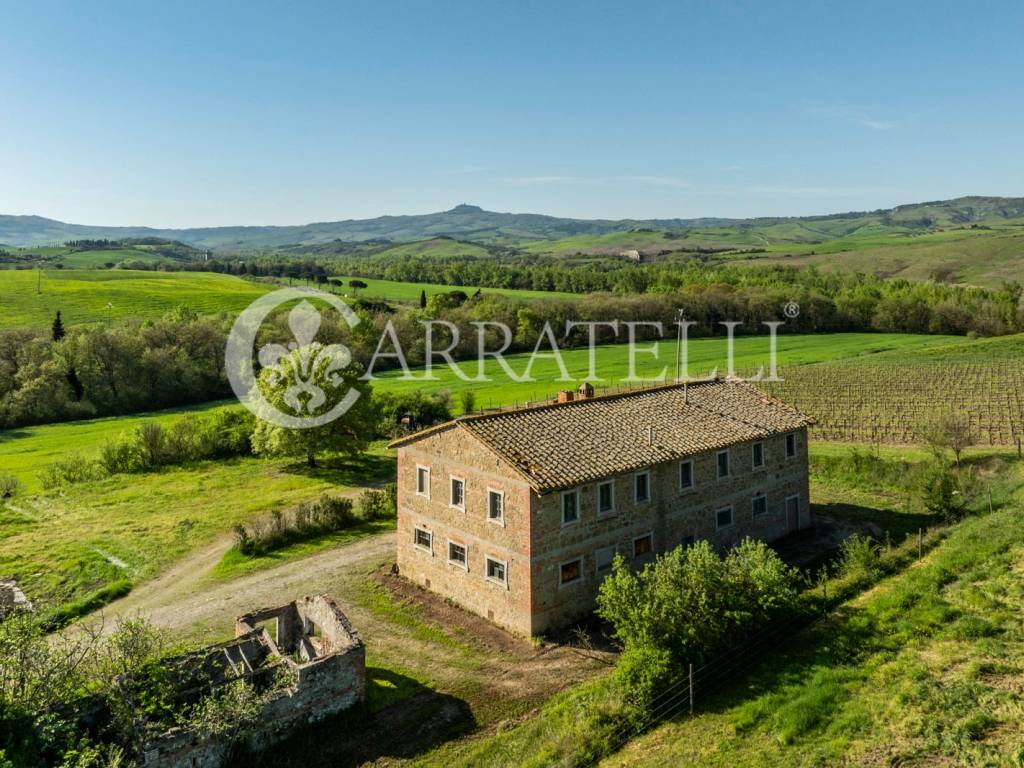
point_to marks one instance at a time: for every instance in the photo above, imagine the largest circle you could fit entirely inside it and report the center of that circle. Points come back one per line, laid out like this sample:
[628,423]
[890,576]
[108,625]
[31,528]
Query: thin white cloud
[657,181]
[854,114]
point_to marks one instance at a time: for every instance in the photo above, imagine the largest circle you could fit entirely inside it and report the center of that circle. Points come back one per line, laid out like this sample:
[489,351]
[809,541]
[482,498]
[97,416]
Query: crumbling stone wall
[315,645]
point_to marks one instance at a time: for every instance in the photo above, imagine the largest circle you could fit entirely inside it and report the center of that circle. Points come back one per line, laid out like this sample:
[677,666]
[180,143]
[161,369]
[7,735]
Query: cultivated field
[82,295]
[891,397]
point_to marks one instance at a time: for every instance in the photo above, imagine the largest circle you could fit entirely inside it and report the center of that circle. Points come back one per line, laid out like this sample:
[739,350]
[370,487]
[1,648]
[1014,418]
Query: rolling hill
[472,223]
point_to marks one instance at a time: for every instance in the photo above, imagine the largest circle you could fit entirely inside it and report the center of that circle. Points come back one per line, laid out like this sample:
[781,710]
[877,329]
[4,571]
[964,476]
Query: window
[642,486]
[793,512]
[570,507]
[603,559]
[757,455]
[422,539]
[495,570]
[458,497]
[423,481]
[760,504]
[790,446]
[723,464]
[606,497]
[495,505]
[457,554]
[685,475]
[570,572]
[686,541]
[723,518]
[643,545]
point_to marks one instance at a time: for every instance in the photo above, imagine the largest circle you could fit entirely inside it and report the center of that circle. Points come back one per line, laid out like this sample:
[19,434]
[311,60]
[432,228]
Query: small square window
[643,545]
[723,464]
[495,506]
[495,570]
[687,541]
[570,572]
[723,518]
[422,538]
[642,482]
[603,559]
[458,497]
[760,504]
[606,497]
[570,507]
[685,475]
[457,554]
[423,481]
[790,446]
[757,455]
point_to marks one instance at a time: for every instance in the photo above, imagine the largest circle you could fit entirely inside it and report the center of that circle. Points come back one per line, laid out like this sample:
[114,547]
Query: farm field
[27,451]
[409,293]
[82,295]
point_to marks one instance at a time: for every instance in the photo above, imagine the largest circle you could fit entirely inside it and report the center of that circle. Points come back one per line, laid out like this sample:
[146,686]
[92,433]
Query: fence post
[1018,448]
[990,499]
[920,542]
[691,689]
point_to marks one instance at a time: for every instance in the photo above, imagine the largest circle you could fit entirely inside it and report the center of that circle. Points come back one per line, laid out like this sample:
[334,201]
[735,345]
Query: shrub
[120,456]
[379,504]
[941,493]
[860,559]
[326,515]
[10,486]
[692,603]
[73,469]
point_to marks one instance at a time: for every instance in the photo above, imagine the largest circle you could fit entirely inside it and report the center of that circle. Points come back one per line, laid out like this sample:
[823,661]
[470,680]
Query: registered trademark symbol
[791,310]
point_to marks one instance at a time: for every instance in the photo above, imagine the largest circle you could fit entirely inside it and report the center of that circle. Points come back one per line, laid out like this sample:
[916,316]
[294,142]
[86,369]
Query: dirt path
[184,599]
[462,673]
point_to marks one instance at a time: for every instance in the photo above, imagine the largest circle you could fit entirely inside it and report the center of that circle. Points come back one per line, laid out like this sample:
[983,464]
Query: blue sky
[199,114]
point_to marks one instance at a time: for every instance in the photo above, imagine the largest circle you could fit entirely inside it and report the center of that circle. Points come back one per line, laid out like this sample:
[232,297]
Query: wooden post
[920,542]
[990,499]
[691,689]
[1018,448]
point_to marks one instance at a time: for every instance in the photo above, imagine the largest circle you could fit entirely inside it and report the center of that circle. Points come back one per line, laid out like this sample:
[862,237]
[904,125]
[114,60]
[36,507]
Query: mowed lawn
[82,295]
[409,293]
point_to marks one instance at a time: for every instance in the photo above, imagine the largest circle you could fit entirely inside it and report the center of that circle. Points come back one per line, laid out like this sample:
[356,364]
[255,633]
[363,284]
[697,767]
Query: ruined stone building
[309,642]
[517,515]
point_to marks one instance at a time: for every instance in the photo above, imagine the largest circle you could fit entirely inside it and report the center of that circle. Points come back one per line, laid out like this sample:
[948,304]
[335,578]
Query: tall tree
[58,328]
[304,383]
[423,299]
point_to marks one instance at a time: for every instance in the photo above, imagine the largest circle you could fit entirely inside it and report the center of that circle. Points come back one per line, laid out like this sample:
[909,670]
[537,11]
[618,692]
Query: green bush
[860,559]
[326,515]
[692,603]
[73,469]
[10,486]
[379,504]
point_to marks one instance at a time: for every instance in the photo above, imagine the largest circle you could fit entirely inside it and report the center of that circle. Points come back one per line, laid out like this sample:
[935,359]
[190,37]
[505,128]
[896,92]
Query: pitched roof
[566,444]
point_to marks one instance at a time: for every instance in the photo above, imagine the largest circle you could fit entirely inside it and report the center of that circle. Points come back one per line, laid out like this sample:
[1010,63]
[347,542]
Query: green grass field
[27,451]
[409,293]
[82,295]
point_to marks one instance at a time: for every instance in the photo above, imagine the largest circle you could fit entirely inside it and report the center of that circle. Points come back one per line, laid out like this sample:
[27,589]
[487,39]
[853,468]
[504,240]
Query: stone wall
[670,517]
[329,677]
[535,543]
[455,452]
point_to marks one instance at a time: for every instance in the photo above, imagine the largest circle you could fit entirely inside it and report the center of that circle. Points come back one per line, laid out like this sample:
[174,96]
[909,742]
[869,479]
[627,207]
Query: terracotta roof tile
[564,445]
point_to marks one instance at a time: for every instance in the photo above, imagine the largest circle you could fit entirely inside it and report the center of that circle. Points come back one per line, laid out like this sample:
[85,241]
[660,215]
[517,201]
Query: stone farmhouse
[517,515]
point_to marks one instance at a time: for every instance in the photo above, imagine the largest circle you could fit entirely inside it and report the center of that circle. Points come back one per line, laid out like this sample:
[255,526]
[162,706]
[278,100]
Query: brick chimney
[565,396]
[586,390]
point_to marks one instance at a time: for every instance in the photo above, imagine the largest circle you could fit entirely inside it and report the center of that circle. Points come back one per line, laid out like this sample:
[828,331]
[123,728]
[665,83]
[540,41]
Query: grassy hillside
[923,670]
[82,295]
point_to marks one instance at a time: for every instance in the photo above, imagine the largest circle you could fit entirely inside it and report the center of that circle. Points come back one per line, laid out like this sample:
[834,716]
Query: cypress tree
[423,299]
[58,328]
